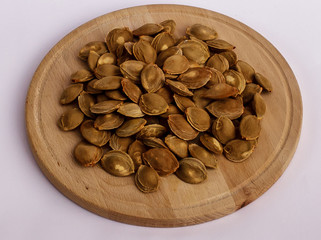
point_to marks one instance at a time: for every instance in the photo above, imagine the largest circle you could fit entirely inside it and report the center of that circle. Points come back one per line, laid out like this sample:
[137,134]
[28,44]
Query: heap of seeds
[151,105]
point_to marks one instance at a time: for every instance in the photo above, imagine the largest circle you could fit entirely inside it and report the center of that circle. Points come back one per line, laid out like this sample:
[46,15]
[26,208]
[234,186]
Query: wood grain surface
[227,189]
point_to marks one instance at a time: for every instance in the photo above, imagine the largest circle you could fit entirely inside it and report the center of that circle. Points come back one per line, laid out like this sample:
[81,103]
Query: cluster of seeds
[153,105]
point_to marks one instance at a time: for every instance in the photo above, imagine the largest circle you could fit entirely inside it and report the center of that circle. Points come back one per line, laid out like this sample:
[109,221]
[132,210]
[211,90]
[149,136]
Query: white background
[31,208]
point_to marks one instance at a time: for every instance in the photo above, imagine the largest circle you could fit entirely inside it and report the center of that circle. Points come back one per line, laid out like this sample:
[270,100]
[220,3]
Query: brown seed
[181,128]
[195,78]
[220,44]
[169,25]
[263,82]
[117,163]
[135,151]
[201,32]
[195,50]
[191,170]
[177,146]
[120,143]
[154,142]
[166,94]
[71,93]
[218,62]
[152,78]
[151,130]
[87,154]
[130,110]
[105,106]
[183,102]
[220,91]
[250,127]
[92,135]
[106,70]
[146,38]
[146,179]
[117,37]
[92,60]
[206,157]
[231,108]
[198,118]
[131,127]
[70,119]
[211,143]
[247,70]
[238,150]
[258,105]
[82,75]
[115,95]
[107,83]
[178,88]
[98,47]
[162,160]
[148,29]
[132,69]
[85,101]
[107,58]
[108,121]
[176,64]
[163,55]
[235,79]
[153,104]
[132,91]
[163,41]
[143,51]
[223,129]
[250,90]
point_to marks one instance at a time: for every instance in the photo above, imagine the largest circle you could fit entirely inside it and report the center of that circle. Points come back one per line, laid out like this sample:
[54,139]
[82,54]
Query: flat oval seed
[71,93]
[109,121]
[143,51]
[148,29]
[70,119]
[131,127]
[177,146]
[132,91]
[195,50]
[92,135]
[135,151]
[181,128]
[117,163]
[166,94]
[220,44]
[146,179]
[250,127]
[218,62]
[130,110]
[178,88]
[258,105]
[117,37]
[223,129]
[191,170]
[92,60]
[217,77]
[162,160]
[97,46]
[206,157]
[151,130]
[176,64]
[153,104]
[152,78]
[195,78]
[250,90]
[106,70]
[120,143]
[107,58]
[82,75]
[263,82]
[238,150]
[247,70]
[231,108]
[105,107]
[85,101]
[162,56]
[132,69]
[235,79]
[87,154]
[115,95]
[163,41]
[107,83]
[198,118]
[183,102]
[201,32]
[154,142]
[231,57]
[211,143]
[220,91]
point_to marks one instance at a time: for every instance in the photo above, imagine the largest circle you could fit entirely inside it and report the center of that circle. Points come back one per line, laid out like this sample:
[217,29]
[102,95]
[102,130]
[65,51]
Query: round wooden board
[227,189]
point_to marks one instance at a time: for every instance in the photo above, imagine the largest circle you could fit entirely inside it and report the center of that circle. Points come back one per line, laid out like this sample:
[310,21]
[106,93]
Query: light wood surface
[227,189]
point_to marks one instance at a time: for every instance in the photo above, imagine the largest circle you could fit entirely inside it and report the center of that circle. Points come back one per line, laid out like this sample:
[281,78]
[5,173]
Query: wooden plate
[226,190]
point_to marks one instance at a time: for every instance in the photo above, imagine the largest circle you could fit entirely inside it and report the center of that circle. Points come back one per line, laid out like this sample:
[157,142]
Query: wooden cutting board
[227,189]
